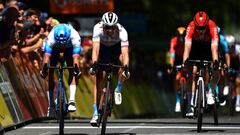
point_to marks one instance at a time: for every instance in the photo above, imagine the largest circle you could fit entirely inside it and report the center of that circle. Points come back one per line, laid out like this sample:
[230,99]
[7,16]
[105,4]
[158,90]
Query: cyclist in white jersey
[110,45]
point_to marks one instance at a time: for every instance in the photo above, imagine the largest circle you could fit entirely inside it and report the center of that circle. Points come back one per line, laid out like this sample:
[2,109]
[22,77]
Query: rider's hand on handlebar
[185,63]
[77,72]
[169,69]
[126,72]
[44,71]
[215,65]
[93,69]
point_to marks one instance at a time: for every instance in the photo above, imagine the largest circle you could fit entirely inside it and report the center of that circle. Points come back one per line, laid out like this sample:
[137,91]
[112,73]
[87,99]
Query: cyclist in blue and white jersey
[224,58]
[63,38]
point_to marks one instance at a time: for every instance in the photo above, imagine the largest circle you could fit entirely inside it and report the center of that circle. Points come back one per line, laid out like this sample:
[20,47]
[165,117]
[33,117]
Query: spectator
[9,16]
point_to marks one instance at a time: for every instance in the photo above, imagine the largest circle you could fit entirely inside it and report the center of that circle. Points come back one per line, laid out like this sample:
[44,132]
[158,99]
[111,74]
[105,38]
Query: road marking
[46,133]
[141,124]
[132,127]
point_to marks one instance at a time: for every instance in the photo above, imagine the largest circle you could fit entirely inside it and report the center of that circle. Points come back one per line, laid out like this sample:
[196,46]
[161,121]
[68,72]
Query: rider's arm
[188,41]
[214,42]
[173,43]
[96,42]
[124,46]
[76,42]
[226,49]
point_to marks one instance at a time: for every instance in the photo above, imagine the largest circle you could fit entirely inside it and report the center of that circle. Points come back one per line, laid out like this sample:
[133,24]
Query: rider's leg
[191,109]
[71,80]
[118,89]
[51,85]
[238,94]
[177,88]
[213,83]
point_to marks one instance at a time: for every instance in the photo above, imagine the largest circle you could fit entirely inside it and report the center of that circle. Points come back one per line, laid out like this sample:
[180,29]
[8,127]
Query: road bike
[200,104]
[61,104]
[183,90]
[105,104]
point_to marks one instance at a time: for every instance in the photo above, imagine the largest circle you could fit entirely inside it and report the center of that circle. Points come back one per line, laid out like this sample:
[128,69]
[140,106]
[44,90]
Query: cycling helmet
[201,19]
[62,33]
[109,19]
[181,32]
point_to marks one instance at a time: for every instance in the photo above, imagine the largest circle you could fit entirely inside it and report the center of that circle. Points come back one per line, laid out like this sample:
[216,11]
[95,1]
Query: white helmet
[109,19]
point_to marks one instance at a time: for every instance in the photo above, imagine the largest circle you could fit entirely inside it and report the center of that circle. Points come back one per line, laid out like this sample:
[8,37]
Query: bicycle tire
[183,98]
[200,106]
[105,109]
[231,100]
[61,111]
[215,114]
[214,108]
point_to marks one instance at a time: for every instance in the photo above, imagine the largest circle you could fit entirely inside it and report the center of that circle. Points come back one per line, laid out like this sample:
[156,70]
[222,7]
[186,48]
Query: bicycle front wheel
[200,109]
[61,111]
[105,109]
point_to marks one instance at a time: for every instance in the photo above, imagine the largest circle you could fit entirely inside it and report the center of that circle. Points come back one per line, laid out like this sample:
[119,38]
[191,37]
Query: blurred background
[150,24]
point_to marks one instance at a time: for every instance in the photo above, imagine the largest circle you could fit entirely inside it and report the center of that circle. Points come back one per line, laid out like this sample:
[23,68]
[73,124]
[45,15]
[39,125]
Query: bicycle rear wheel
[61,110]
[200,109]
[183,98]
[105,109]
[214,107]
[231,100]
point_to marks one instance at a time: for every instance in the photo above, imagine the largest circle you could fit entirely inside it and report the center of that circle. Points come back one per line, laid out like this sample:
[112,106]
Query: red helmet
[201,19]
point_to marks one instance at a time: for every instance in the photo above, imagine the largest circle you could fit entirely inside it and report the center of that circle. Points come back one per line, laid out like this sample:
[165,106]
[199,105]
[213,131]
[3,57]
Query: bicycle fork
[200,79]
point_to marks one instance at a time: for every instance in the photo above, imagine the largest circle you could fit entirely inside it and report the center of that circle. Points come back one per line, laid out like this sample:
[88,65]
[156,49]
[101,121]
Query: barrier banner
[28,87]
[81,6]
[10,111]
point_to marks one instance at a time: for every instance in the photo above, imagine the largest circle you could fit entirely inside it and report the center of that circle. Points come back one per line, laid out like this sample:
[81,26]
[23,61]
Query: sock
[238,99]
[192,99]
[178,97]
[51,98]
[95,110]
[48,98]
[72,92]
[119,86]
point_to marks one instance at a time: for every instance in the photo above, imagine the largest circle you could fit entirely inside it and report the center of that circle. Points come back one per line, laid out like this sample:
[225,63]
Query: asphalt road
[227,125]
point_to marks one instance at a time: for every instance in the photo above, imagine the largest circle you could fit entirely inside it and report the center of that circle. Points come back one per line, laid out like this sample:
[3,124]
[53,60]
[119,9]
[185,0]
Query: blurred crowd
[23,30]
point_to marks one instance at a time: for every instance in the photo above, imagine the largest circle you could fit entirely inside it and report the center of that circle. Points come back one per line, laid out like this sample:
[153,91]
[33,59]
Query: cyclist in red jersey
[201,43]
[176,55]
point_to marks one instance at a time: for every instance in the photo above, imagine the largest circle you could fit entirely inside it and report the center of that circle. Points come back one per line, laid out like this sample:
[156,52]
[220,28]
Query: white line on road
[135,127]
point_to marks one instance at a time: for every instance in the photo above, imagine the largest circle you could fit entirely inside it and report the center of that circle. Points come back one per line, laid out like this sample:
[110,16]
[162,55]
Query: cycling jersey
[223,44]
[176,50]
[119,35]
[222,48]
[201,42]
[211,34]
[73,42]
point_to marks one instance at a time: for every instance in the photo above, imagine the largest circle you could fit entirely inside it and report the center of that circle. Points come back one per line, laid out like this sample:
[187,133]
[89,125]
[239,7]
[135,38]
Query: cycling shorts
[55,57]
[200,51]
[110,54]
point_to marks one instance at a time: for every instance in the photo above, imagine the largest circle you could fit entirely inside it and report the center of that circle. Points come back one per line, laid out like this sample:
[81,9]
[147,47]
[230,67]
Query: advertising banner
[81,6]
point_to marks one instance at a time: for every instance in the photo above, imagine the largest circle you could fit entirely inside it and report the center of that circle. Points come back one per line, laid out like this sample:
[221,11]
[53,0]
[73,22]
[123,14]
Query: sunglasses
[108,27]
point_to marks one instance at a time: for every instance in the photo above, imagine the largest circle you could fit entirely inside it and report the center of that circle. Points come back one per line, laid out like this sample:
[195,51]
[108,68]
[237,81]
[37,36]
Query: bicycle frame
[107,101]
[200,93]
[200,81]
[182,83]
